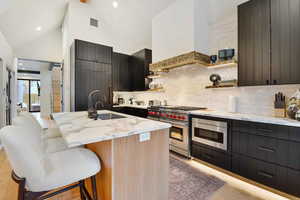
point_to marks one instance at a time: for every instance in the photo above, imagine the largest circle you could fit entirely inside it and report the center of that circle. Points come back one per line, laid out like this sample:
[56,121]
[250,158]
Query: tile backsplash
[186,86]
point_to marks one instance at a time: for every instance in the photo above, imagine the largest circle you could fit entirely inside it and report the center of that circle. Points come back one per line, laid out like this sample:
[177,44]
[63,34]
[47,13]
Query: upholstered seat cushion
[52,145]
[44,171]
[66,167]
[49,138]
[32,121]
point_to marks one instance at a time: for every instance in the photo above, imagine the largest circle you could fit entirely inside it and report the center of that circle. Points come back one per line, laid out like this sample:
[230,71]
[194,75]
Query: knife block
[280,112]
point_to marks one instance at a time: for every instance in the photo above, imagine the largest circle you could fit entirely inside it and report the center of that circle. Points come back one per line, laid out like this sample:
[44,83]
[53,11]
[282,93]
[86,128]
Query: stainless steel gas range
[179,132]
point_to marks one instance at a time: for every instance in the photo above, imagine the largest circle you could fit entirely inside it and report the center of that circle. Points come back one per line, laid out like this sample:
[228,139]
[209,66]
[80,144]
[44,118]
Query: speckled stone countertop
[77,129]
[248,117]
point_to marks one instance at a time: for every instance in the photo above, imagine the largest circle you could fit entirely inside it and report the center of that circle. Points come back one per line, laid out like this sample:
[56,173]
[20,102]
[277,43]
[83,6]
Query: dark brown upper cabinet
[91,69]
[93,52]
[129,72]
[254,43]
[121,72]
[139,64]
[269,42]
[285,41]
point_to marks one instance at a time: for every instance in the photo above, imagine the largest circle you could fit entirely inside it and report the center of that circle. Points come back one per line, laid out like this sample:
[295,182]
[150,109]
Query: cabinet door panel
[103,54]
[121,73]
[82,74]
[211,156]
[85,50]
[265,173]
[125,73]
[139,65]
[254,43]
[116,71]
[91,76]
[285,25]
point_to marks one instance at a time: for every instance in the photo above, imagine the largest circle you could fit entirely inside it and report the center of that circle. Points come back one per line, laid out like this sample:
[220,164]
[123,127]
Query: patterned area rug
[188,183]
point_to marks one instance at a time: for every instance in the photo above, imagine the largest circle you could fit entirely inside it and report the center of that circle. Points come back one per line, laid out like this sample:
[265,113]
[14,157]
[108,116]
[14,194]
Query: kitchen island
[134,153]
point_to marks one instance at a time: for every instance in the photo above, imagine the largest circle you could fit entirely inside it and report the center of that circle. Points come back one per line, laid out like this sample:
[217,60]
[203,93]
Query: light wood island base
[133,170]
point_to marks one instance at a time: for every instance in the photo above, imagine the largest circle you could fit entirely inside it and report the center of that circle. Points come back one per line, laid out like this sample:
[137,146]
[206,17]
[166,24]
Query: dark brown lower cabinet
[265,153]
[217,158]
[268,154]
[138,112]
[274,176]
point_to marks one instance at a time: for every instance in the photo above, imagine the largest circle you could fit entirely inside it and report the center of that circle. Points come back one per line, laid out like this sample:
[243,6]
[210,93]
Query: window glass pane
[23,93]
[35,96]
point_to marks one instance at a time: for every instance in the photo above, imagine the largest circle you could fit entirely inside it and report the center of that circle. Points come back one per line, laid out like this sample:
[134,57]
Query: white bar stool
[50,144]
[38,173]
[47,133]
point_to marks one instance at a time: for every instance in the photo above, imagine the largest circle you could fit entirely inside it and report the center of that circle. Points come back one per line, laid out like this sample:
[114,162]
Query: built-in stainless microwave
[210,132]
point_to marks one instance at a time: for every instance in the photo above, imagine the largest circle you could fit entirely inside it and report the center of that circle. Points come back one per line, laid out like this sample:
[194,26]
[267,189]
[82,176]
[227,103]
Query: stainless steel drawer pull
[266,149]
[261,173]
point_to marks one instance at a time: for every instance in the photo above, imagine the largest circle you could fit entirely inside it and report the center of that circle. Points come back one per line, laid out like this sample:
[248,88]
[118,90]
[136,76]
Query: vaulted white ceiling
[131,20]
[19,19]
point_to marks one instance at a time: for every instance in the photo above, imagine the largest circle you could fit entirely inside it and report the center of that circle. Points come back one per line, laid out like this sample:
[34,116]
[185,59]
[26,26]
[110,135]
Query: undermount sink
[108,116]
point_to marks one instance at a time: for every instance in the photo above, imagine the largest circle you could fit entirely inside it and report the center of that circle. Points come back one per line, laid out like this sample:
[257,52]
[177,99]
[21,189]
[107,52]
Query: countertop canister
[232,104]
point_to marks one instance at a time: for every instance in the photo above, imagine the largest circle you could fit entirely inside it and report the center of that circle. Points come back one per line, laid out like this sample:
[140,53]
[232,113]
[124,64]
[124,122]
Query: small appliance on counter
[279,105]
[232,104]
[293,106]
[121,101]
[140,103]
[154,103]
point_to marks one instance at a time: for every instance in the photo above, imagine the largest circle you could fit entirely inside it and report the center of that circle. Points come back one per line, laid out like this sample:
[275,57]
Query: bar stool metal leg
[94,187]
[82,196]
[21,183]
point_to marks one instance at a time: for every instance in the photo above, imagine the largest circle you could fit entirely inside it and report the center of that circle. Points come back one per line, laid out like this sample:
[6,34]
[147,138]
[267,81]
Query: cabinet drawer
[281,152]
[263,129]
[213,157]
[265,173]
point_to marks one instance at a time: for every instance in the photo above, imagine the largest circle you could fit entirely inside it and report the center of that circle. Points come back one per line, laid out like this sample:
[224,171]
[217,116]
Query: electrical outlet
[145,137]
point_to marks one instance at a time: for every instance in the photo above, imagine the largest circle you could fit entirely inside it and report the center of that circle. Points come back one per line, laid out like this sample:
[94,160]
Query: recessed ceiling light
[20,64]
[115,4]
[39,28]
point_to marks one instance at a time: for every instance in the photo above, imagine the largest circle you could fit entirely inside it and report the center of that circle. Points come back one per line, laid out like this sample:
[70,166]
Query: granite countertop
[248,117]
[131,106]
[77,129]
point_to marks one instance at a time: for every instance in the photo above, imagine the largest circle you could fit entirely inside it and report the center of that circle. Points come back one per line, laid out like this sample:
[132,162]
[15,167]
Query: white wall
[76,25]
[173,30]
[46,90]
[6,54]
[186,85]
[190,25]
[47,48]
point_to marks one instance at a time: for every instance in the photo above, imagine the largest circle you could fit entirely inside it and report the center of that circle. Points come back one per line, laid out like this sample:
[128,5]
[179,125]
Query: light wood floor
[8,188]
